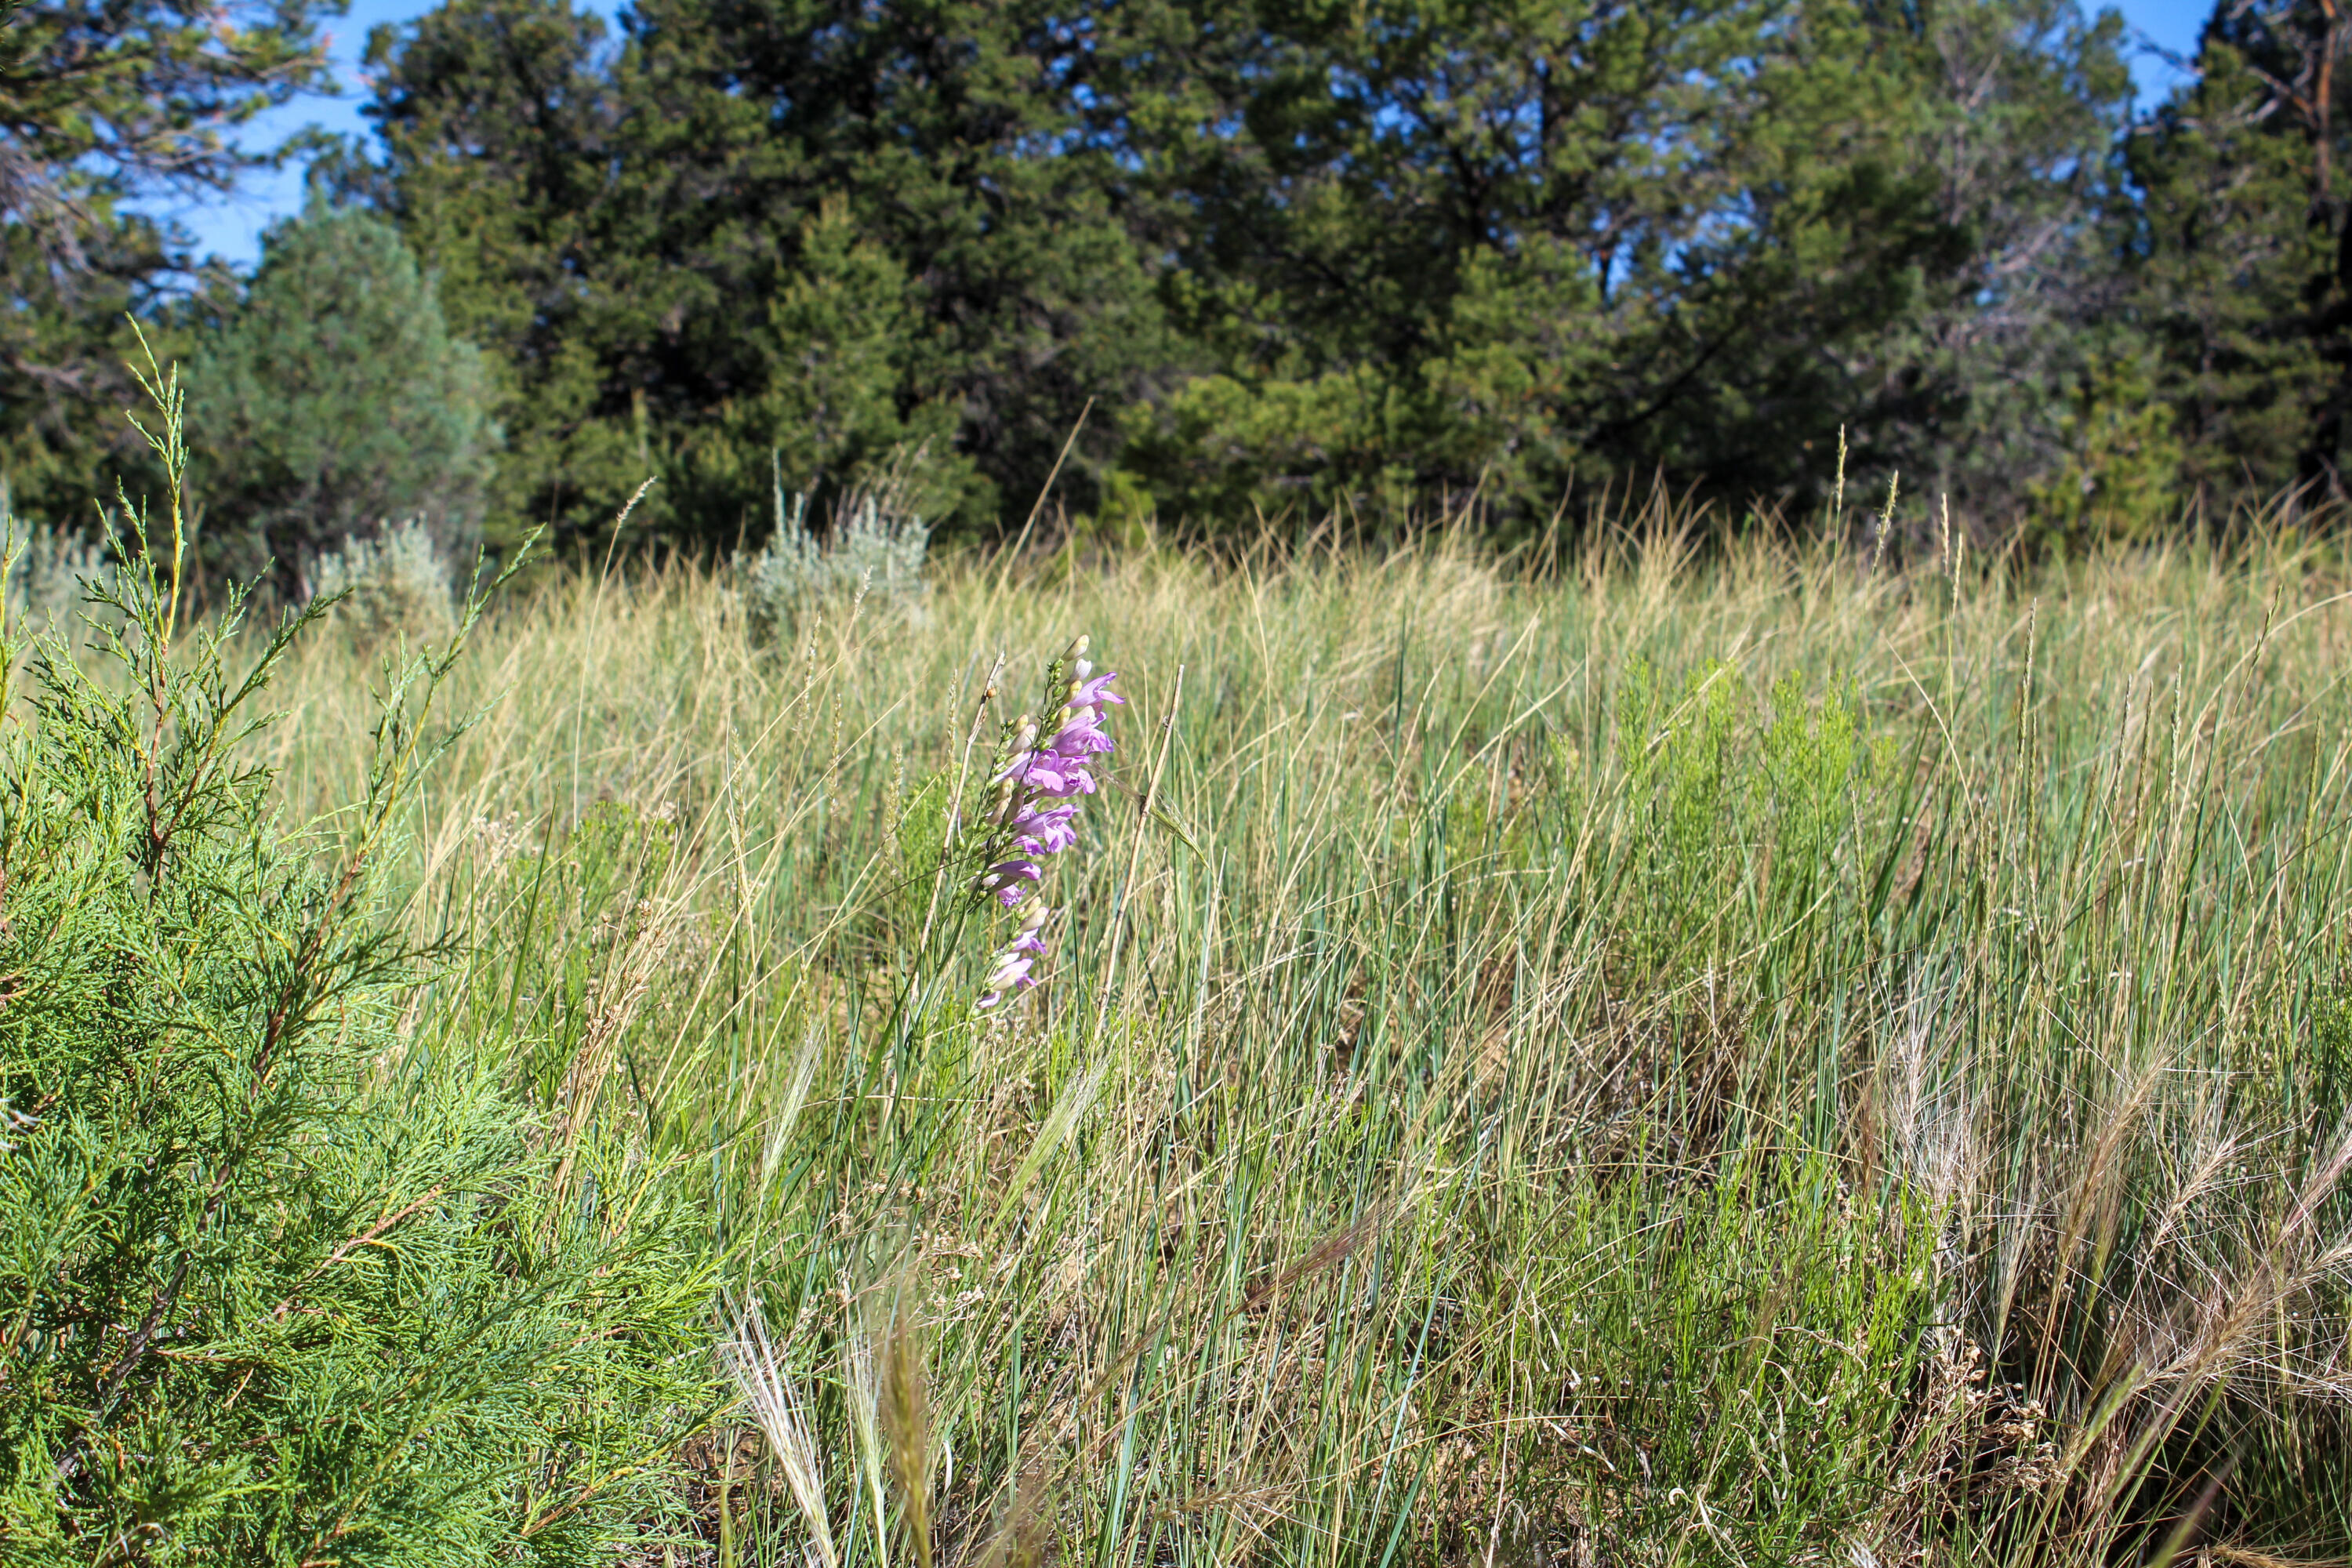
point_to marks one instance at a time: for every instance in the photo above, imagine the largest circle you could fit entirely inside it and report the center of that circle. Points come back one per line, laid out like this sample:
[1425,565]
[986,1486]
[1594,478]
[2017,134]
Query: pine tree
[843,340]
[338,402]
[104,107]
[1299,256]
[2241,273]
[1496,243]
[496,126]
[653,243]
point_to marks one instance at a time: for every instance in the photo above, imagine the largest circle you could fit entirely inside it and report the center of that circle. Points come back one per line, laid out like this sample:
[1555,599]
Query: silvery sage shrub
[274,1286]
[874,551]
[391,584]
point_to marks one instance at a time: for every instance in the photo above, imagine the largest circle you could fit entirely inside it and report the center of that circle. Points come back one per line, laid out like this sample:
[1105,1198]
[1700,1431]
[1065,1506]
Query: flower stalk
[1034,813]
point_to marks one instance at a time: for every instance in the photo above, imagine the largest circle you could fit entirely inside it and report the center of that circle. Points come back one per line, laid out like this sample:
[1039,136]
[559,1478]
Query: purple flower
[1081,738]
[1062,782]
[1043,830]
[1087,693]
[1043,776]
[1010,974]
[1044,773]
[1009,970]
[1005,880]
[1035,815]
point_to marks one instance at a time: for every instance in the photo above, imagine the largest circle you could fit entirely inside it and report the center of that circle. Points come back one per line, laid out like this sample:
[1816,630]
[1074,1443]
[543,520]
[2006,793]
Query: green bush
[2118,473]
[273,1287]
[338,400]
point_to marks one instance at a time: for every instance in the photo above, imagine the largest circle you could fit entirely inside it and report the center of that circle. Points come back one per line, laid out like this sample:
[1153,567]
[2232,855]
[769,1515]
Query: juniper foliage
[272,1288]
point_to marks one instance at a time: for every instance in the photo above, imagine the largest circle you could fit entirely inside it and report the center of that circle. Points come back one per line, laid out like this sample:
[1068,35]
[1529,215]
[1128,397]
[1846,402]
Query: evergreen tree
[843,339]
[2240,271]
[1302,255]
[1493,243]
[338,400]
[2009,120]
[62,349]
[663,247]
[497,127]
[104,105]
[956,134]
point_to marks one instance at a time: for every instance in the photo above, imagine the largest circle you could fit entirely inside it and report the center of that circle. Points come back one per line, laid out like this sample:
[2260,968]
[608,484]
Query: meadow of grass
[1756,1056]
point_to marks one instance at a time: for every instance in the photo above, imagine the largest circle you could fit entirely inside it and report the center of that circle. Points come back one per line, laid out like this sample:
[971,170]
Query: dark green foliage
[273,1288]
[791,229]
[842,336]
[1302,260]
[1507,243]
[498,127]
[2239,276]
[1308,257]
[2004,118]
[101,104]
[62,388]
[2119,473]
[338,402]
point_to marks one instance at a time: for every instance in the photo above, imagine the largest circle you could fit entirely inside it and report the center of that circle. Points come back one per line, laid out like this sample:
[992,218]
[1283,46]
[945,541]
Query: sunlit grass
[1761,1058]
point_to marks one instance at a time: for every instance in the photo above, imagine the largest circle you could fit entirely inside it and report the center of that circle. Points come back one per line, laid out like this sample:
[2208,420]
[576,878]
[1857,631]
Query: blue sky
[232,226]
[2168,24]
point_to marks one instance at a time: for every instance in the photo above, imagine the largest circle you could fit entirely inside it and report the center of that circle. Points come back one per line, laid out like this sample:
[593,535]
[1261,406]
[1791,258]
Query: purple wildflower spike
[1079,739]
[1036,814]
[1009,970]
[1044,773]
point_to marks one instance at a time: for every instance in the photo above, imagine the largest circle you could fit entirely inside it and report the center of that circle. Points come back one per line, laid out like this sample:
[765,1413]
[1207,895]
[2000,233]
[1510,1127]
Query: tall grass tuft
[1762,1057]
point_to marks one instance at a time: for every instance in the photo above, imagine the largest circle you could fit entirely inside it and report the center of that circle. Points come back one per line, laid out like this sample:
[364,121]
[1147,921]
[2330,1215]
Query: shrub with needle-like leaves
[275,1288]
